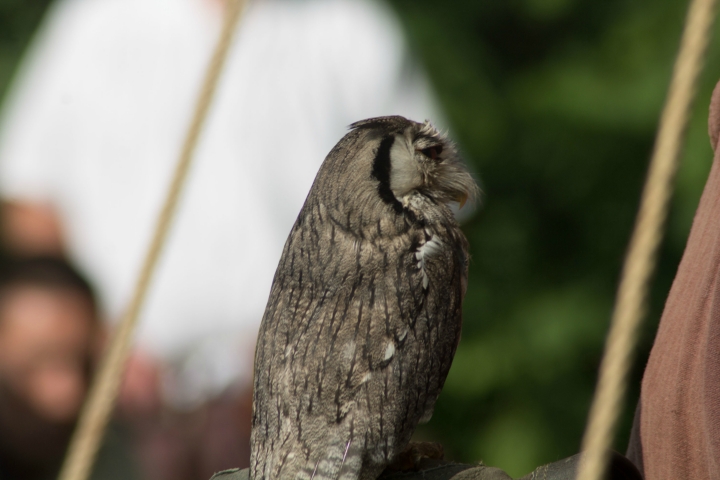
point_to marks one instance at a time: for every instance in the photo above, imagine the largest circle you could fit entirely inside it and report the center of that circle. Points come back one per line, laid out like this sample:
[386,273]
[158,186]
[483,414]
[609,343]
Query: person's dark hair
[46,272]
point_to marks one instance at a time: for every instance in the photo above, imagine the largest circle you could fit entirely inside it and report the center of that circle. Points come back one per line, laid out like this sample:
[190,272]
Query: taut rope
[101,399]
[631,303]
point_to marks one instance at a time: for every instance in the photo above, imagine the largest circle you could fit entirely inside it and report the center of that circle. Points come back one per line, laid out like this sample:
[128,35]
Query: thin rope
[631,303]
[101,399]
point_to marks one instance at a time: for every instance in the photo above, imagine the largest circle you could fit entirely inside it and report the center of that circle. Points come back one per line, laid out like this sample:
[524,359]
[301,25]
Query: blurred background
[555,104]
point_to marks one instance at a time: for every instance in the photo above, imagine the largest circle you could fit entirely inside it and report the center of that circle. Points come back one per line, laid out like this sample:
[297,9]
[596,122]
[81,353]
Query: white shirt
[95,122]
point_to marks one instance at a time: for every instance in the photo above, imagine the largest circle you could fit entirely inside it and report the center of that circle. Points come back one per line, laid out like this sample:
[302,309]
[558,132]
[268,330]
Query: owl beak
[461,199]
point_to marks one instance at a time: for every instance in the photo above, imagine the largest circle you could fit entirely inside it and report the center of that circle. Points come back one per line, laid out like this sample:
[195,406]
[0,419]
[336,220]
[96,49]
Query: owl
[364,313]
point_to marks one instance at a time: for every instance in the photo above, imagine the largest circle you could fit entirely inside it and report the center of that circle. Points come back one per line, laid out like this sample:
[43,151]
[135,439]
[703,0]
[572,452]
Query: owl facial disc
[424,161]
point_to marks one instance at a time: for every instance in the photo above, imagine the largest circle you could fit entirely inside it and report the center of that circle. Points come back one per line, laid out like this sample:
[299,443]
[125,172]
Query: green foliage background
[556,104]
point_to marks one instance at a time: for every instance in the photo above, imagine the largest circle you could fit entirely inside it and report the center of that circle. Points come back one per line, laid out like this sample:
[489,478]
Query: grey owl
[364,314]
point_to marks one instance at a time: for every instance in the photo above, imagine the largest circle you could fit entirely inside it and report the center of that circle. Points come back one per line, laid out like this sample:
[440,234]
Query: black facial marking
[381,172]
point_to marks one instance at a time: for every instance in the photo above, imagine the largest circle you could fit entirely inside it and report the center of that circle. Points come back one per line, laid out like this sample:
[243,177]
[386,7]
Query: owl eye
[432,152]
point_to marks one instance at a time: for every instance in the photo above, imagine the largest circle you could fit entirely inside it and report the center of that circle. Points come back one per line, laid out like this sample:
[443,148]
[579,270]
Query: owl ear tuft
[393,123]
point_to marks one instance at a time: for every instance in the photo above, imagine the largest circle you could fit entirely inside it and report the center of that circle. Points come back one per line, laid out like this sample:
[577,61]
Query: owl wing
[347,366]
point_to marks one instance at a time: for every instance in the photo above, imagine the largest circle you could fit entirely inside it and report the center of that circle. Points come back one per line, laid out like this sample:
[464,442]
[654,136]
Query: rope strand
[631,303]
[101,399]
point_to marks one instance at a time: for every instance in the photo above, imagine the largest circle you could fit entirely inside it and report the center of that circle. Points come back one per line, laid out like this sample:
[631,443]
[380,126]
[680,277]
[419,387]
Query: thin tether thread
[101,399]
[631,303]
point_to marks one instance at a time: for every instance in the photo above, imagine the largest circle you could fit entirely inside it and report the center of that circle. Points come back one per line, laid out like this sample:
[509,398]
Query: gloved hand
[620,469]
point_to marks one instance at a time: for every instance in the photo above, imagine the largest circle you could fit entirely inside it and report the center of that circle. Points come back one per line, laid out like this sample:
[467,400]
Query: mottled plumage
[365,309]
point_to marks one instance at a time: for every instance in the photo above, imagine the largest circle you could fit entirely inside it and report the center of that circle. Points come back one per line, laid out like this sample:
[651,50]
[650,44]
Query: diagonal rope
[101,399]
[631,303]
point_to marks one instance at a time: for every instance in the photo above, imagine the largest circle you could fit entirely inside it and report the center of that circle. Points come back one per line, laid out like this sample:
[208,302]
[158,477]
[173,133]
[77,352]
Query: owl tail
[343,463]
[341,454]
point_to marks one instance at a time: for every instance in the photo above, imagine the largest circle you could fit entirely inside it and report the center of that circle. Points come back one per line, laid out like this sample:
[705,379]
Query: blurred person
[88,140]
[49,334]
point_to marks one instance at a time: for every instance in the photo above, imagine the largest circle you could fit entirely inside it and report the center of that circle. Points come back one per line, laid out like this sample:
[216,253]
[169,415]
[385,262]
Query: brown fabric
[714,117]
[677,432]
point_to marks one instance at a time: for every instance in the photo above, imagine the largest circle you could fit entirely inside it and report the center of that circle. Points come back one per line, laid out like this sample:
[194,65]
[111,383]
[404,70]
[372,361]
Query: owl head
[411,158]
[385,172]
